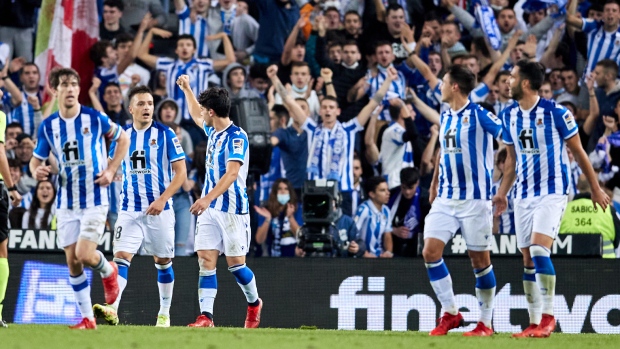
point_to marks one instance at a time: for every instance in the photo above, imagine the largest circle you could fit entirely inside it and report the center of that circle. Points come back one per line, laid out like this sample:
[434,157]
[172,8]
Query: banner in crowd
[328,293]
[35,240]
[66,31]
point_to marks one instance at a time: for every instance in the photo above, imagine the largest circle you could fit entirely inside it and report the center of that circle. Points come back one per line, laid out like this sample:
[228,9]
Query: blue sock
[207,290]
[485,292]
[442,285]
[545,276]
[247,282]
[165,284]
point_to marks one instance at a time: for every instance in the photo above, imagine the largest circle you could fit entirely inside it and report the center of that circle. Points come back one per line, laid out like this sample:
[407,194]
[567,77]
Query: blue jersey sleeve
[490,123]
[590,25]
[506,137]
[109,129]
[564,121]
[237,147]
[42,151]
[173,145]
[112,150]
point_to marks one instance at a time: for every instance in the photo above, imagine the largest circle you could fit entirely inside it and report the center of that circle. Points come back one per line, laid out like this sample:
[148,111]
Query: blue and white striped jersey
[601,44]
[199,30]
[575,172]
[331,151]
[198,71]
[466,163]
[24,113]
[276,171]
[538,137]
[79,145]
[480,93]
[394,155]
[147,166]
[372,224]
[106,76]
[230,144]
[396,90]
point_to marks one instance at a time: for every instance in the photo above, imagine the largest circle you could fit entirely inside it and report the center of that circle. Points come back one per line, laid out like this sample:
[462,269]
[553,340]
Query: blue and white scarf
[485,19]
[336,139]
[227,22]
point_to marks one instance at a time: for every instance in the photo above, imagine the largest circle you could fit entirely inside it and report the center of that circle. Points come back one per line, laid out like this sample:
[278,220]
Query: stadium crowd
[353,91]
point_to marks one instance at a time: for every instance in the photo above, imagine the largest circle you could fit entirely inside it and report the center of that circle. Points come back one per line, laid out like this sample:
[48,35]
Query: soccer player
[461,199]
[536,132]
[153,171]
[5,179]
[76,137]
[223,221]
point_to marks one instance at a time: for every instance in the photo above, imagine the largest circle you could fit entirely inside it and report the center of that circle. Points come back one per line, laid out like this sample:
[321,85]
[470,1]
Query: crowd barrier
[327,293]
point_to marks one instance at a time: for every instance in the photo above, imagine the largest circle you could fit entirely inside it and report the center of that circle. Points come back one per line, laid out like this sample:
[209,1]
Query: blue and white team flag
[485,18]
[537,5]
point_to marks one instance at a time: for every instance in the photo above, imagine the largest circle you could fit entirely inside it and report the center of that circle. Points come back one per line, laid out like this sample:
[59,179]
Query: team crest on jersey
[86,131]
[465,120]
[540,123]
[153,143]
[238,146]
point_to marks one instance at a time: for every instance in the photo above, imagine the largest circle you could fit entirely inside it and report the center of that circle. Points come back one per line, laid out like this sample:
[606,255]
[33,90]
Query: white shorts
[228,233]
[473,217]
[86,224]
[154,233]
[540,214]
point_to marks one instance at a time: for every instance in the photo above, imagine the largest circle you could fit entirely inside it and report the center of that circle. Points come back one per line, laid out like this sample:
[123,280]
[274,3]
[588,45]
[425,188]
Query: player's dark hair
[352,12]
[393,7]
[609,65]
[122,38]
[330,98]
[187,37]
[409,176]
[463,77]
[112,84]
[216,99]
[371,184]
[15,124]
[280,111]
[533,72]
[138,90]
[56,76]
[99,50]
[114,3]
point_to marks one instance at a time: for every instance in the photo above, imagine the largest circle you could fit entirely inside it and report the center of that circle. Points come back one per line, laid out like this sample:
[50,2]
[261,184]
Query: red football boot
[446,323]
[85,324]
[202,321]
[480,331]
[545,327]
[526,333]
[252,319]
[110,285]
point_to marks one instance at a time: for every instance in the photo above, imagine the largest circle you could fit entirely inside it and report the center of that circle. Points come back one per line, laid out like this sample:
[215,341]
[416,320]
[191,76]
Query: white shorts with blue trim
[86,224]
[226,232]
[473,217]
[539,214]
[154,233]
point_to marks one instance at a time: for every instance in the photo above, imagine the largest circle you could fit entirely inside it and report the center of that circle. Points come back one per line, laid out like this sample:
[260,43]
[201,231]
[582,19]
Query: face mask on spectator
[283,199]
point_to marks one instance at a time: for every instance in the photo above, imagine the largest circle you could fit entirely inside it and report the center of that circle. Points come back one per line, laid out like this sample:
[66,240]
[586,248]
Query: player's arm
[500,201]
[229,51]
[118,135]
[372,151]
[435,181]
[298,115]
[598,195]
[377,99]
[192,102]
[388,245]
[572,19]
[180,175]
[232,171]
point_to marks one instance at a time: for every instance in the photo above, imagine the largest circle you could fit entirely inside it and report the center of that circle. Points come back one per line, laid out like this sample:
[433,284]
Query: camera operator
[408,204]
[345,235]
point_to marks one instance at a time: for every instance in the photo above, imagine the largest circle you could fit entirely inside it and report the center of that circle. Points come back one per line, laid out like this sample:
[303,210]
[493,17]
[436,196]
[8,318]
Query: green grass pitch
[59,337]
